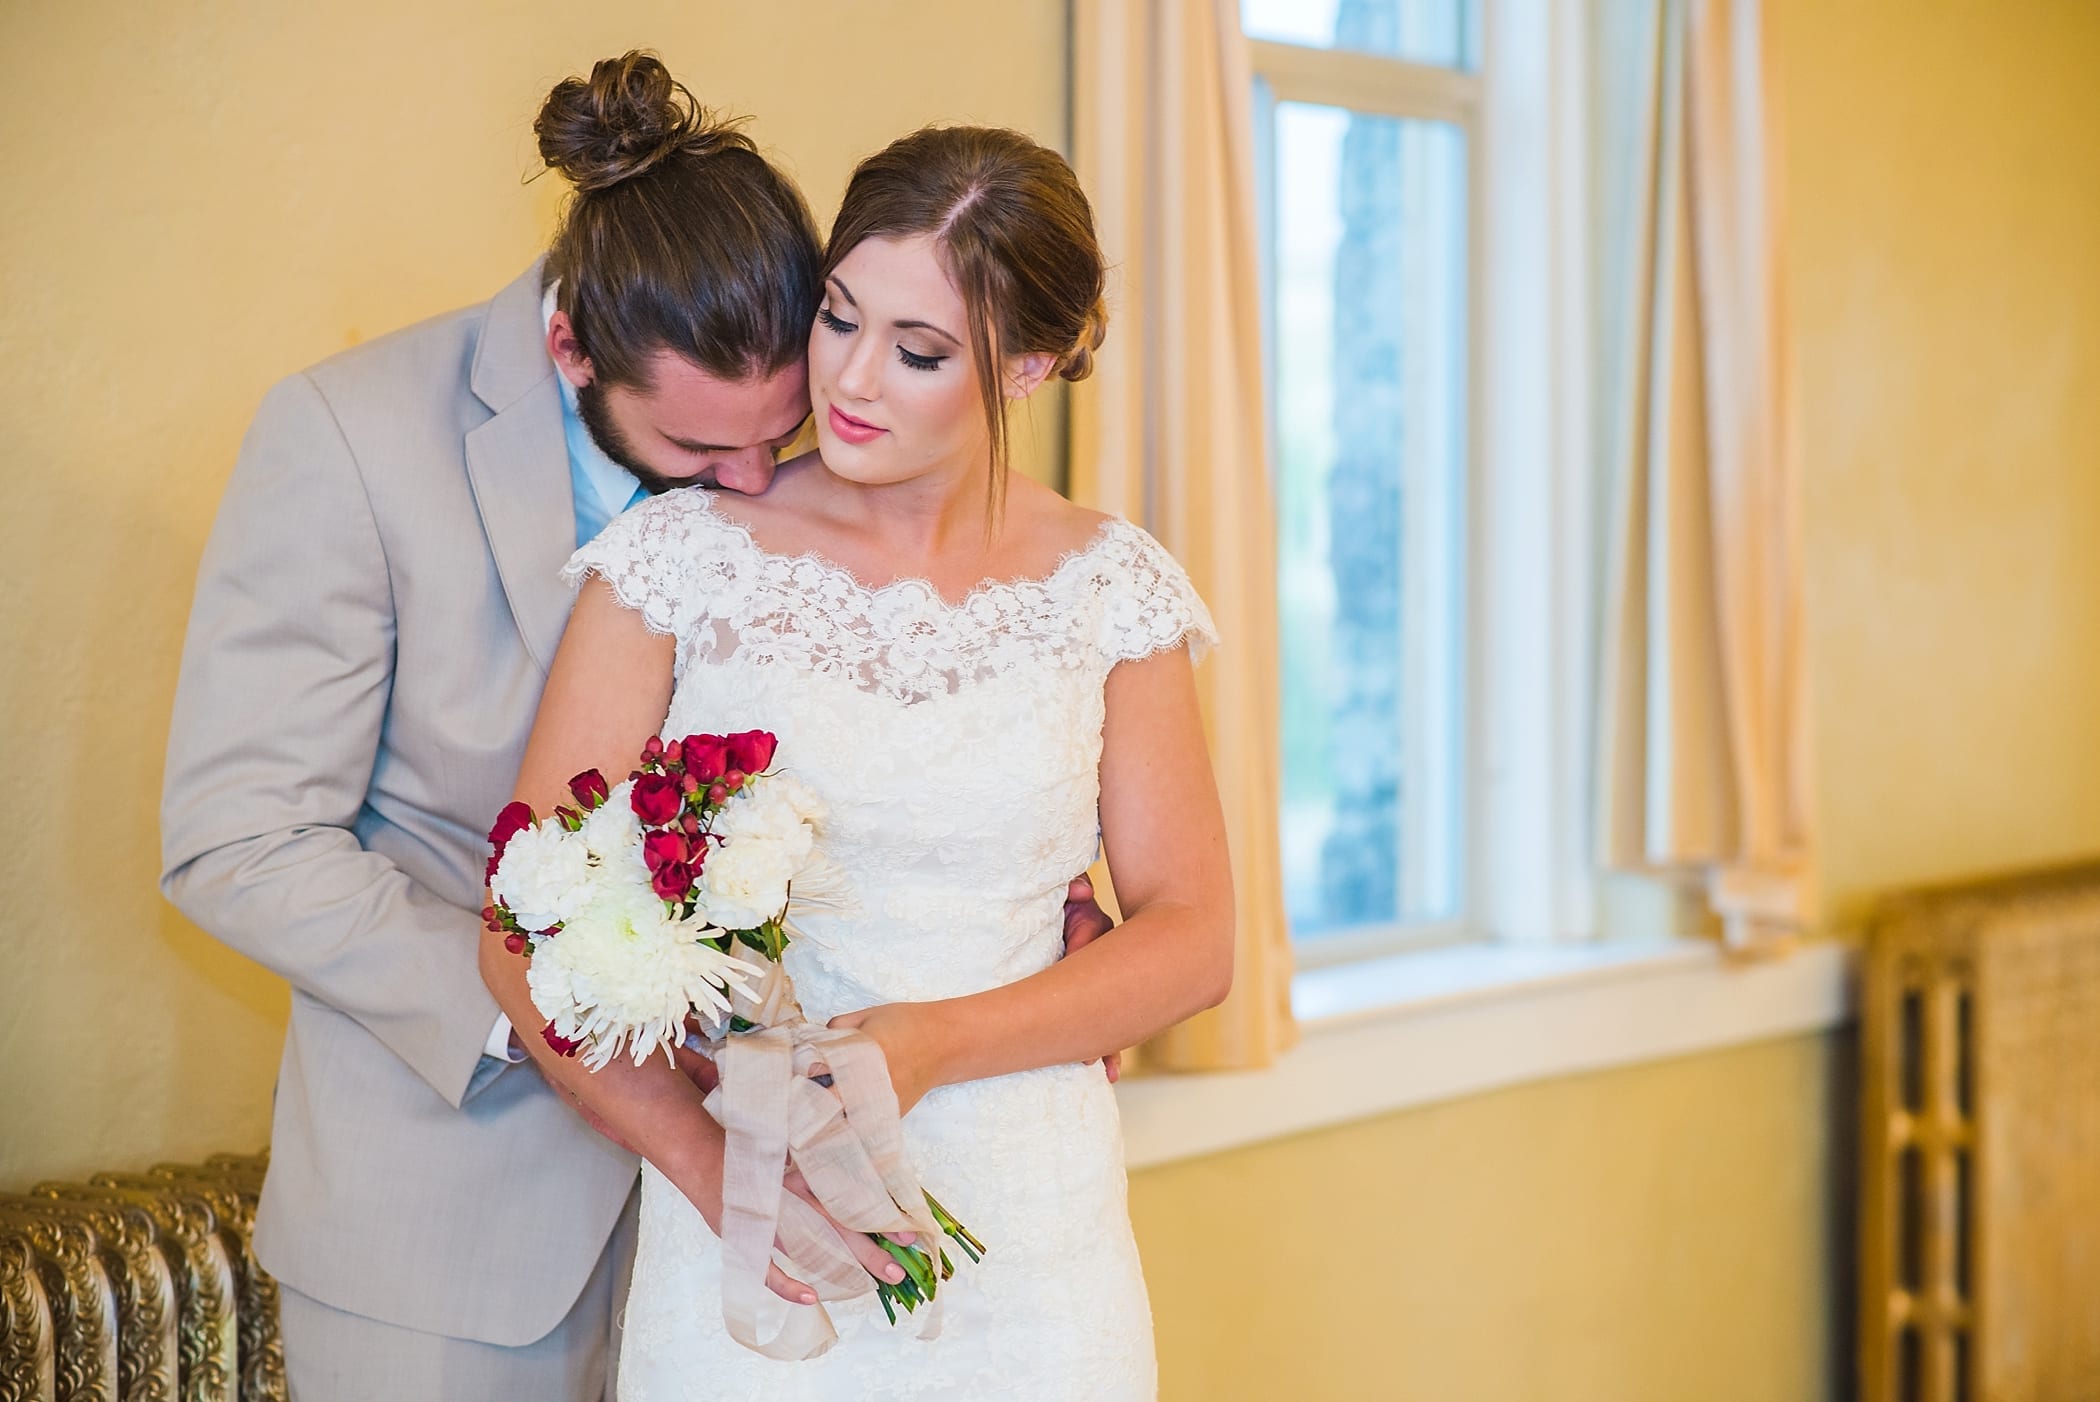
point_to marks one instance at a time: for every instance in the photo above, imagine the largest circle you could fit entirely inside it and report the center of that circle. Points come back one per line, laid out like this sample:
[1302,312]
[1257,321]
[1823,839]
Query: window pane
[1422,31]
[1368,221]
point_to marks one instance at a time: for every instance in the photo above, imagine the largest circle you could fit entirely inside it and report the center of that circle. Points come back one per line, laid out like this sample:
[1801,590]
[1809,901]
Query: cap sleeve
[650,555]
[1150,605]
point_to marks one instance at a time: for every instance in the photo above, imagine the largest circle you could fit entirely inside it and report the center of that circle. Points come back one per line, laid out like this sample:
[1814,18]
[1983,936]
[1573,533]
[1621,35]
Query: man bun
[625,120]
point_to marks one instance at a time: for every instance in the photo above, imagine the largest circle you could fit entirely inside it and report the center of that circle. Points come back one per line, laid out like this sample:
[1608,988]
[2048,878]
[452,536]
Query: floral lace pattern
[958,745]
[699,576]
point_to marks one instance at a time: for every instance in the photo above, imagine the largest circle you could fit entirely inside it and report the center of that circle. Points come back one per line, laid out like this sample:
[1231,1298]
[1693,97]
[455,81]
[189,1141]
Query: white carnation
[624,971]
[545,875]
[764,838]
[613,835]
[745,881]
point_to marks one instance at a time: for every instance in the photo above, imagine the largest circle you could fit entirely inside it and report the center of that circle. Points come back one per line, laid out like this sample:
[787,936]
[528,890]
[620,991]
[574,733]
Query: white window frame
[1531,492]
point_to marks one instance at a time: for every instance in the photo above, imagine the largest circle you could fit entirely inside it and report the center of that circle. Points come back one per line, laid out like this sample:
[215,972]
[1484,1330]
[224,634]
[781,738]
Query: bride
[979,678]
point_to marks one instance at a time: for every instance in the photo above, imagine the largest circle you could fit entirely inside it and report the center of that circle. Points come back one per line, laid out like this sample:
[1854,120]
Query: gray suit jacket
[374,617]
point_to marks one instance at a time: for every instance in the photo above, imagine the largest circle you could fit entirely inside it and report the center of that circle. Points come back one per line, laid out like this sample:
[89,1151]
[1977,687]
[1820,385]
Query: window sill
[1416,1028]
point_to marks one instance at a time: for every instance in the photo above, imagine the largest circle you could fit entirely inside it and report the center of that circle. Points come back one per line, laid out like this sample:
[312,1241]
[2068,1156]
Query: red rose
[706,756]
[514,819]
[662,849]
[656,799]
[672,880]
[563,1045]
[590,789]
[752,751]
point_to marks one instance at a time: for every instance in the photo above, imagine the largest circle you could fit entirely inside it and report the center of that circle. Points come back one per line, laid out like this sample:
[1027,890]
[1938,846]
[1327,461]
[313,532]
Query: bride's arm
[1164,832]
[607,693]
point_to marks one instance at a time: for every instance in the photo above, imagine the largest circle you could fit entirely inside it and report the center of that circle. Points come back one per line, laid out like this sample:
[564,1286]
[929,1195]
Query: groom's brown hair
[680,235]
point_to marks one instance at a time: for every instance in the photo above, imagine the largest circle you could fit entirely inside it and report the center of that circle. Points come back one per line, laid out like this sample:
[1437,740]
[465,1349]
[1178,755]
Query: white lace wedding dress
[957,746]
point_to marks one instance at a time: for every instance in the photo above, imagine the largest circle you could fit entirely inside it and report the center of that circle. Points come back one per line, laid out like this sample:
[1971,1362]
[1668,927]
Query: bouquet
[671,897]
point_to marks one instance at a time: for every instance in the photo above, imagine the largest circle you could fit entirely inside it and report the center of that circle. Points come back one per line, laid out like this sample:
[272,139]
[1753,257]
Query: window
[1365,154]
[1430,466]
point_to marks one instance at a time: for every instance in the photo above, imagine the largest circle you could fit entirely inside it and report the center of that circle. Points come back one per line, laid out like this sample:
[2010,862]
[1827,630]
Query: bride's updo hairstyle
[679,236]
[1016,236]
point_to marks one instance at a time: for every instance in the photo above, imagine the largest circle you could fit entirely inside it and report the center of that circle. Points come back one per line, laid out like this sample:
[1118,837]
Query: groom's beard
[598,422]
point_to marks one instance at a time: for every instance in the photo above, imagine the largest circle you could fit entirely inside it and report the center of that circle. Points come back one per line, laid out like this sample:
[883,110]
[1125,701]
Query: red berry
[515,943]
[718,795]
[734,779]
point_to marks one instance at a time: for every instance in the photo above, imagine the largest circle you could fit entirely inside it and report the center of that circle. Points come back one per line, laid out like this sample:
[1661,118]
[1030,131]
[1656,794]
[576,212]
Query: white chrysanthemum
[545,875]
[623,971]
[613,836]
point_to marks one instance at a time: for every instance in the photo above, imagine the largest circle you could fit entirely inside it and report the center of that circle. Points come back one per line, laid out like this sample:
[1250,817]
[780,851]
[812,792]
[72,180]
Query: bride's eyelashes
[833,322]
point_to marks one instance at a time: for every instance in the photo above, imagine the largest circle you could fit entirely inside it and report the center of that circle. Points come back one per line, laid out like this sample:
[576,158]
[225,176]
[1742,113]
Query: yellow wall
[1944,190]
[1658,1234]
[205,197]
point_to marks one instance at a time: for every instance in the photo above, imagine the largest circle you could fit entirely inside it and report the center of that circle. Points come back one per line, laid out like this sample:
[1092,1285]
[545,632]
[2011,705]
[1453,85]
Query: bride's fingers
[788,1288]
[873,1259]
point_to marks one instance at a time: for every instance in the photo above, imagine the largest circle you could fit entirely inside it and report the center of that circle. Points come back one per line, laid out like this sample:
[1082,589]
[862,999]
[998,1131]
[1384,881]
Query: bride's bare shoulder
[1049,524]
[795,492]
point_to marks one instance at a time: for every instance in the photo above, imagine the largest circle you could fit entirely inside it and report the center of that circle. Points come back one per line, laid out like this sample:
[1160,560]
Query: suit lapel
[518,466]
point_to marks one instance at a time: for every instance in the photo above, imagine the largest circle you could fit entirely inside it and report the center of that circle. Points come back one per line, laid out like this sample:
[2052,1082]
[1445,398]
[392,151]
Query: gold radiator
[1980,1194]
[138,1288]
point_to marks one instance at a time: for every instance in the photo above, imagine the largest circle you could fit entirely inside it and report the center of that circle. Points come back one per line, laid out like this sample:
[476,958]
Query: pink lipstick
[852,429]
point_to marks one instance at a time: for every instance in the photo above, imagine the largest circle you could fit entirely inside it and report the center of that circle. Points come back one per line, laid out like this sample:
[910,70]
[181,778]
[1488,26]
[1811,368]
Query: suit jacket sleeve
[286,674]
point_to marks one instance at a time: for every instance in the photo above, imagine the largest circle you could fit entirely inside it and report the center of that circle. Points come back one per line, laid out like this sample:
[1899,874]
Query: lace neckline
[837,573]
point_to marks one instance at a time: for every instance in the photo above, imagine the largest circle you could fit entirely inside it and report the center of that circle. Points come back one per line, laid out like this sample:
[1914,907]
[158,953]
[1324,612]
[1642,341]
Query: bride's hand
[700,1069]
[703,1189]
[873,1259]
[909,1035]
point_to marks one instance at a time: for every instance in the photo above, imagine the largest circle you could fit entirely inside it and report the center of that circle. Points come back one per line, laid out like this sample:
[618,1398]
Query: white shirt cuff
[499,1044]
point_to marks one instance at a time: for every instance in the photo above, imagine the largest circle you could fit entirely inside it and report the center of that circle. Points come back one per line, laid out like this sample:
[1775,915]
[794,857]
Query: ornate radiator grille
[1980,1202]
[138,1288]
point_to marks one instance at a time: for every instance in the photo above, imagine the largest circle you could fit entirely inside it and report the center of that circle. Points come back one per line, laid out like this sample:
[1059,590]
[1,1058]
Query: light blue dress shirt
[601,487]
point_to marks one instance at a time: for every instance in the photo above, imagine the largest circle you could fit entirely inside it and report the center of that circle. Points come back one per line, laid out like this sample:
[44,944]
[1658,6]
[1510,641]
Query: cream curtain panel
[1170,431]
[1703,755]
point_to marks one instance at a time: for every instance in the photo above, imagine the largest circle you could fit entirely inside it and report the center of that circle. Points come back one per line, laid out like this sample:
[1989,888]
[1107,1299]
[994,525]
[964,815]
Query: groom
[374,616]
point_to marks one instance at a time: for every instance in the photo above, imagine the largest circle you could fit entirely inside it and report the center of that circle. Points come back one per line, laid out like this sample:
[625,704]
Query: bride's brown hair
[1016,235]
[680,235]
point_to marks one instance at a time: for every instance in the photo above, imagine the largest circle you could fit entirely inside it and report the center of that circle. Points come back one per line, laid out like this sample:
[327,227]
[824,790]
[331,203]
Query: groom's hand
[1085,922]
